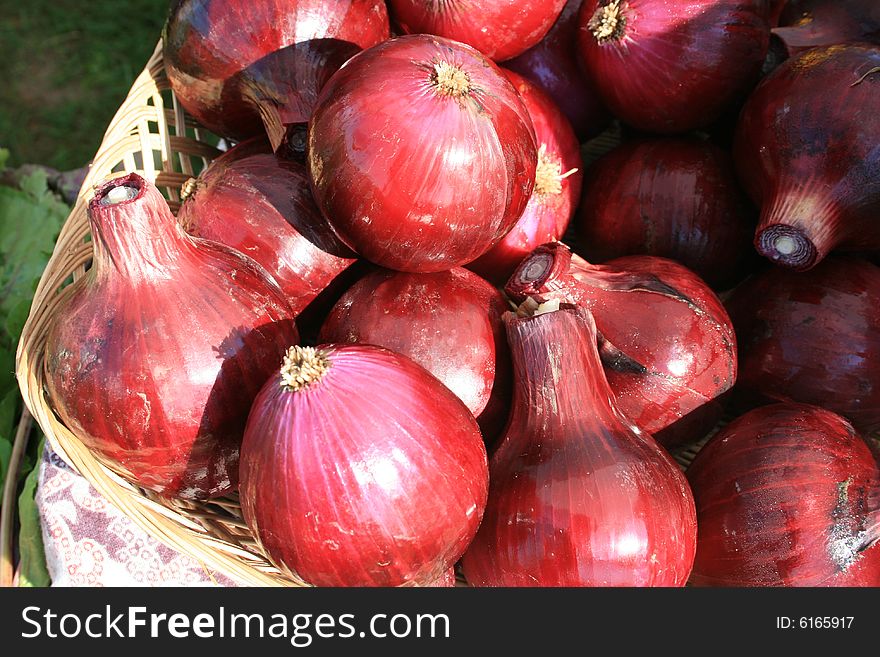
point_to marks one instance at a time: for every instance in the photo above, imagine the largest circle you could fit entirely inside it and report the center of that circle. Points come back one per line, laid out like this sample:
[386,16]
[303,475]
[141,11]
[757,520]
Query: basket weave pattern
[151,135]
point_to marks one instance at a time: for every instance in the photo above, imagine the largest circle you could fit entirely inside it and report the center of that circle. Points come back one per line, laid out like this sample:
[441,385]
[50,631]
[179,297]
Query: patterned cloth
[89,542]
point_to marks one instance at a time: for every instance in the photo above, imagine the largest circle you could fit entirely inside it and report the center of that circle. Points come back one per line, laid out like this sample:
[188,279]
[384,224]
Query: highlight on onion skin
[671,67]
[813,337]
[242,67]
[359,468]
[261,204]
[447,322]
[809,24]
[675,198]
[158,351]
[787,495]
[666,341]
[577,496]
[421,153]
[805,150]
[500,29]
[558,180]
[552,66]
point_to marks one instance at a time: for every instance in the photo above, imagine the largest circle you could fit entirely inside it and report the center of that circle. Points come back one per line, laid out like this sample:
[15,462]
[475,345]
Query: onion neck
[303,367]
[558,376]
[134,232]
[608,23]
[798,230]
[541,274]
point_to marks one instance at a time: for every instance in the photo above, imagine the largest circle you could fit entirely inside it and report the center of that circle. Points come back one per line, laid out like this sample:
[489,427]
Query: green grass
[65,67]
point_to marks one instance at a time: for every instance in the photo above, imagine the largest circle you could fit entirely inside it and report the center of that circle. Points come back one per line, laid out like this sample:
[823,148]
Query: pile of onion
[359,468]
[260,204]
[244,66]
[422,154]
[666,341]
[448,322]
[157,353]
[577,496]
[806,151]
[558,178]
[787,495]
[552,66]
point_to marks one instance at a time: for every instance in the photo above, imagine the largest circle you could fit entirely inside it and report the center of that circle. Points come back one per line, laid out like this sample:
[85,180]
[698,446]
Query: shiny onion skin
[421,153]
[359,468]
[577,497]
[806,152]
[813,23]
[787,495]
[552,66]
[448,322]
[242,66]
[159,350]
[813,337]
[670,197]
[262,205]
[500,29]
[667,342]
[670,67]
[558,180]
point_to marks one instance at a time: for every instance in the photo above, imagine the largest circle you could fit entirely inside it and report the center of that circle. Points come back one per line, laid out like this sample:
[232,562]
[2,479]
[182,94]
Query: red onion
[813,337]
[359,468]
[499,29]
[812,23]
[806,151]
[775,9]
[577,496]
[239,66]
[448,322]
[551,66]
[157,353]
[667,342]
[558,179]
[261,205]
[670,67]
[422,154]
[787,495]
[675,198]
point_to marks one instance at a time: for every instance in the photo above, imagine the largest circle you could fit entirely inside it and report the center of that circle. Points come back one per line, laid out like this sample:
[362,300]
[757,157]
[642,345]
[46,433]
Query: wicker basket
[151,135]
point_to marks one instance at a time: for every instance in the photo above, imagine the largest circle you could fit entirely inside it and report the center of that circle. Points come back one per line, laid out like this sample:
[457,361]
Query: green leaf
[32,557]
[8,409]
[4,158]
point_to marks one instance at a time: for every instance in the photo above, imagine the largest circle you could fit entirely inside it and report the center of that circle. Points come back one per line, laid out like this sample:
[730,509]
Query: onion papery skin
[231,61]
[557,189]
[671,197]
[805,151]
[500,29]
[813,337]
[671,67]
[447,322]
[552,66]
[667,342]
[577,497]
[262,205]
[787,495]
[373,475]
[159,350]
[421,153]
[819,23]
